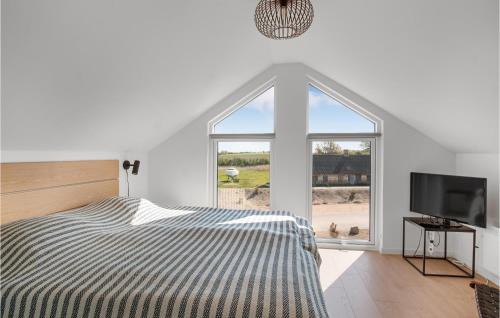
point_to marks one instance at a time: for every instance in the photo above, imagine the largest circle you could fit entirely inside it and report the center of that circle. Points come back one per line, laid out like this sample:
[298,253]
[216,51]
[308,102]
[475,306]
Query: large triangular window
[255,117]
[327,115]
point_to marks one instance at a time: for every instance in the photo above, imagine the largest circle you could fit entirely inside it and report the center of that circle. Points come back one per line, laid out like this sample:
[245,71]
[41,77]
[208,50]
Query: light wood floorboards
[368,284]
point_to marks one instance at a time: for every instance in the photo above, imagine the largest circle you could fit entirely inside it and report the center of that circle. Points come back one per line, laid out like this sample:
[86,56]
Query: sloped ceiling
[125,75]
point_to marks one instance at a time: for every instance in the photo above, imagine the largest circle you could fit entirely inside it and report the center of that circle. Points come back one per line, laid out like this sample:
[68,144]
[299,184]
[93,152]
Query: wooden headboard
[31,189]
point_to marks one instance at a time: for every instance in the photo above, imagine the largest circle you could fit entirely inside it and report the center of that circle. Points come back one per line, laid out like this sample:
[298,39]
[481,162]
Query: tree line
[242,162]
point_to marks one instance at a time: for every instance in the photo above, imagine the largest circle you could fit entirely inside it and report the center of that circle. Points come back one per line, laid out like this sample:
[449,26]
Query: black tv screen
[462,199]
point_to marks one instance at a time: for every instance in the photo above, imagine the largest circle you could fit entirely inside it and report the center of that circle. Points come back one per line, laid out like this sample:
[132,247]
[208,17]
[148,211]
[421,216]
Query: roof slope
[107,75]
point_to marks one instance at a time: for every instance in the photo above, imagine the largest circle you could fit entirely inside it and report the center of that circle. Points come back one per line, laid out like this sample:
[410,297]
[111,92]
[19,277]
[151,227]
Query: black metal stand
[426,227]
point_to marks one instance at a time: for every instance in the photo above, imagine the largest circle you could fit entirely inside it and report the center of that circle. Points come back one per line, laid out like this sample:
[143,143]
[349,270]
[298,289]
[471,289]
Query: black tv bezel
[452,219]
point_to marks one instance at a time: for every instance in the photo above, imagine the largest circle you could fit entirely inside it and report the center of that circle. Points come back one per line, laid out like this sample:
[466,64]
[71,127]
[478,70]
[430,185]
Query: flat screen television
[461,199]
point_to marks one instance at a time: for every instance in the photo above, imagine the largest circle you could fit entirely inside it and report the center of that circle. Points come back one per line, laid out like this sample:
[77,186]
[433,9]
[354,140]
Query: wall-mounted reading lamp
[127,165]
[135,171]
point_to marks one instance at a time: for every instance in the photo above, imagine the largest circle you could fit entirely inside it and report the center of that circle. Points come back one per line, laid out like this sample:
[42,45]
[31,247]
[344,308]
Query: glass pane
[243,175]
[327,115]
[341,180]
[255,117]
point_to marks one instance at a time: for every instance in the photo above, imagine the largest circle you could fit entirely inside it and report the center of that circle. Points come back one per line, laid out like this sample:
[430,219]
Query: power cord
[128,185]
[419,240]
[457,262]
[439,240]
[430,220]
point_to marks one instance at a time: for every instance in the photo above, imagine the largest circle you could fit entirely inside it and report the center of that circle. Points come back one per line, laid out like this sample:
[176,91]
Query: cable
[439,240]
[419,240]
[128,185]
[457,262]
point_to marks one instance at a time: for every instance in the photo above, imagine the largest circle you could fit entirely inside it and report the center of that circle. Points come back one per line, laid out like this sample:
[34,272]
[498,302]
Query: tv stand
[427,226]
[443,224]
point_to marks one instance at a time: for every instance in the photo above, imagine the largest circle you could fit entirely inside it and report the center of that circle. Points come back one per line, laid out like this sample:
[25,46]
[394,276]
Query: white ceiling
[125,75]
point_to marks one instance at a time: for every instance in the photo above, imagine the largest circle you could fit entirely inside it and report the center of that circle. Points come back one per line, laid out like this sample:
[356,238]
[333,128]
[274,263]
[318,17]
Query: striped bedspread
[130,258]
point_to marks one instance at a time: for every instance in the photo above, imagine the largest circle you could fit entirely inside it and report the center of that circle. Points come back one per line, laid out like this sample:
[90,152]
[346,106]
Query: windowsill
[364,246]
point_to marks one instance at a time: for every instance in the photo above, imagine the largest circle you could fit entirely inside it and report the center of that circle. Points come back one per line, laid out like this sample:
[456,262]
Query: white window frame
[214,139]
[373,177]
[374,138]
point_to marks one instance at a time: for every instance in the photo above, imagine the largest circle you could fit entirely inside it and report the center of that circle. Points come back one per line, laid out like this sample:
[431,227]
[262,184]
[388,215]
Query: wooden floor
[368,284]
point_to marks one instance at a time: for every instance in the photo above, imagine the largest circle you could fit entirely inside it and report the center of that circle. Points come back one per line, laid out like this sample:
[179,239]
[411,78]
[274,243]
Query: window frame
[214,139]
[213,178]
[341,95]
[373,182]
[374,138]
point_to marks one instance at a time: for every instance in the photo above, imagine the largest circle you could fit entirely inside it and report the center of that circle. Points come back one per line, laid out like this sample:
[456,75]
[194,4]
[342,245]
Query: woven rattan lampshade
[283,19]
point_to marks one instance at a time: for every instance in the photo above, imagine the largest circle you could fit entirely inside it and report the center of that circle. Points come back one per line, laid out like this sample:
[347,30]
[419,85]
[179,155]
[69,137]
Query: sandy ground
[345,206]
[232,198]
[345,216]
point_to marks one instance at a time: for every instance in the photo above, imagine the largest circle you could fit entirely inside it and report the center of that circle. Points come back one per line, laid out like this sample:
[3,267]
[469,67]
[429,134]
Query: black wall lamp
[127,165]
[135,171]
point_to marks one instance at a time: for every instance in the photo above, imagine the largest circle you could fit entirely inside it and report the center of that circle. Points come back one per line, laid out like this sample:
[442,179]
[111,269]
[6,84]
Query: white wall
[138,184]
[406,150]
[487,259]
[179,171]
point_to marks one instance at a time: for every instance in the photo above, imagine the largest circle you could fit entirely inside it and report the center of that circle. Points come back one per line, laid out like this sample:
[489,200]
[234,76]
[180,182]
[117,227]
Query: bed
[127,257]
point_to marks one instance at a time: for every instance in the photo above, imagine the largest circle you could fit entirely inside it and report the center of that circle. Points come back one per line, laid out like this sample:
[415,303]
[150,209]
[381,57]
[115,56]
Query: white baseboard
[355,247]
[385,250]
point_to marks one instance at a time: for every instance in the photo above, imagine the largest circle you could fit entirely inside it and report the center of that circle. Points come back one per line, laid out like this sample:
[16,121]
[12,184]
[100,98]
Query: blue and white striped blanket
[126,257]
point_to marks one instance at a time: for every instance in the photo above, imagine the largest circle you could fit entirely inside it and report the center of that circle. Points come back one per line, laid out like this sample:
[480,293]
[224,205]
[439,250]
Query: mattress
[125,257]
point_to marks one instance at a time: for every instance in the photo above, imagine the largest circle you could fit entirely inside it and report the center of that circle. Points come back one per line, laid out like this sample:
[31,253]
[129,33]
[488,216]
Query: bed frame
[30,189]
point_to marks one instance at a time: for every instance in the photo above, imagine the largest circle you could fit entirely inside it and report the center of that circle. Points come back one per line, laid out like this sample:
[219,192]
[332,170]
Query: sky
[326,115]
[255,117]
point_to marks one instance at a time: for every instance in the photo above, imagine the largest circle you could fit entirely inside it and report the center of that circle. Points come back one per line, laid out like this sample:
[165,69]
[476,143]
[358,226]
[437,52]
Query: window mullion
[242,136]
[314,136]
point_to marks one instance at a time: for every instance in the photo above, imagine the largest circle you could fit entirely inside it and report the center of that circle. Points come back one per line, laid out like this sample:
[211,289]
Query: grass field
[243,159]
[249,177]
